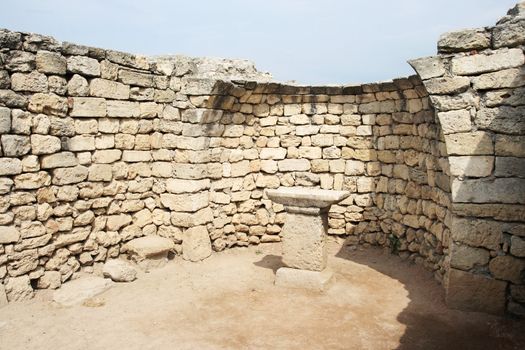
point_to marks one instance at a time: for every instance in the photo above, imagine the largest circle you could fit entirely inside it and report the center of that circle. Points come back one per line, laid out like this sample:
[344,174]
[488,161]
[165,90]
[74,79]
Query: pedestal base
[304,279]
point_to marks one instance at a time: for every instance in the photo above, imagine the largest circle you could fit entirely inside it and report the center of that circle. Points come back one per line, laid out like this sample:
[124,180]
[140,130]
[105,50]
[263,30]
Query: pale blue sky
[310,41]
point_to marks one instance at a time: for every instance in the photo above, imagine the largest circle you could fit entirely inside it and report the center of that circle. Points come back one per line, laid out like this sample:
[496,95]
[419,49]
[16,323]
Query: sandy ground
[229,302]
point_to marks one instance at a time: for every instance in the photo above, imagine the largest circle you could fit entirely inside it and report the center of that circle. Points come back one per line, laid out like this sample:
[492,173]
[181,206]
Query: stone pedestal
[304,235]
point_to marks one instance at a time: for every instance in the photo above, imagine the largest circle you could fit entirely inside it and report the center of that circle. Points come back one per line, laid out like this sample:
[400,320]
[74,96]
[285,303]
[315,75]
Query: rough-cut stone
[464,257]
[185,202]
[472,166]
[504,119]
[66,176]
[196,244]
[108,89]
[59,160]
[83,65]
[18,289]
[88,107]
[31,82]
[31,181]
[9,234]
[455,121]
[50,279]
[44,144]
[501,79]
[508,268]
[10,166]
[465,40]
[500,190]
[293,165]
[78,86]
[472,143]
[49,104]
[428,67]
[186,186]
[468,291]
[481,63]
[119,271]
[78,291]
[15,145]
[149,251]
[50,62]
[447,85]
[509,34]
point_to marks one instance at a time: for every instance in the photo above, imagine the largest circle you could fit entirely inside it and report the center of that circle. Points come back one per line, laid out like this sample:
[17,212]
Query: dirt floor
[229,302]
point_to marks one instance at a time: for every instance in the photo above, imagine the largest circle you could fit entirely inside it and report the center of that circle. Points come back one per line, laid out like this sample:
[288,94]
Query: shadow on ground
[429,324]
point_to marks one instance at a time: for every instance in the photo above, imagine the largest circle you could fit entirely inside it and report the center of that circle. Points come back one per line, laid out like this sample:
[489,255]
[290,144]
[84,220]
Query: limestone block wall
[99,147]
[476,85]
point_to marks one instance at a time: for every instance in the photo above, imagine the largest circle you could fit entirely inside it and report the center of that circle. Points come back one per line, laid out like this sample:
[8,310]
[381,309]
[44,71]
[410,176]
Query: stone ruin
[99,148]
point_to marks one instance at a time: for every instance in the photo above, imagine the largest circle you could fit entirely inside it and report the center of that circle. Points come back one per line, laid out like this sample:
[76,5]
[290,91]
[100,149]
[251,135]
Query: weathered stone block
[185,202]
[88,107]
[465,40]
[83,65]
[15,145]
[428,67]
[455,121]
[50,62]
[9,234]
[31,82]
[100,172]
[464,257]
[517,246]
[481,63]
[77,86]
[503,79]
[318,281]
[447,85]
[468,291]
[136,156]
[508,268]
[44,144]
[59,160]
[125,109]
[510,166]
[81,143]
[10,166]
[66,176]
[31,181]
[108,89]
[196,244]
[293,165]
[504,119]
[509,34]
[131,77]
[508,145]
[500,190]
[471,166]
[186,186]
[473,143]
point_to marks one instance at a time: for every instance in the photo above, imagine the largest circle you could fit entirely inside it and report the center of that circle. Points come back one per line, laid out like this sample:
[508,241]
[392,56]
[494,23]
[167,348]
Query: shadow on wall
[487,267]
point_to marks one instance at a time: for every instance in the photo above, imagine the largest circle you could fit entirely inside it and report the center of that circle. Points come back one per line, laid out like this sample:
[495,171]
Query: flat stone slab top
[149,246]
[306,197]
[77,291]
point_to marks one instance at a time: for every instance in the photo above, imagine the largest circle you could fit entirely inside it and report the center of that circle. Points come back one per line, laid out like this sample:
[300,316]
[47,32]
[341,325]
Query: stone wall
[476,85]
[99,147]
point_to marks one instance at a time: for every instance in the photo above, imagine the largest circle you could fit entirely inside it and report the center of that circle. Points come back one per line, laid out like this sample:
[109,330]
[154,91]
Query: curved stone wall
[99,147]
[476,87]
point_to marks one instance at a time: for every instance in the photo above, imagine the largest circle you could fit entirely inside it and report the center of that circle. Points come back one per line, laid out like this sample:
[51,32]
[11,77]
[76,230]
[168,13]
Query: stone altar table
[304,234]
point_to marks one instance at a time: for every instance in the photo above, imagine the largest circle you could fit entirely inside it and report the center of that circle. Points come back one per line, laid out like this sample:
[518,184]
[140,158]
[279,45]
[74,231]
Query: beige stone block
[108,89]
[100,172]
[301,250]
[428,67]
[502,79]
[185,202]
[481,63]
[31,82]
[32,181]
[186,186]
[293,165]
[472,292]
[464,257]
[499,190]
[196,244]
[508,145]
[455,121]
[50,62]
[66,176]
[83,65]
[508,268]
[88,107]
[59,160]
[123,109]
[136,156]
[464,40]
[471,166]
[81,143]
[473,143]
